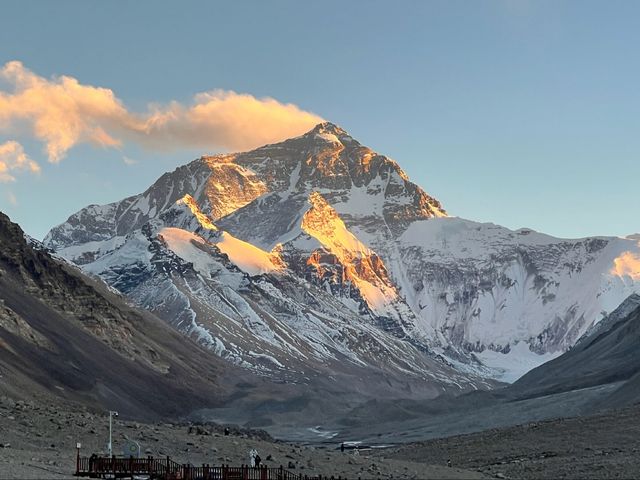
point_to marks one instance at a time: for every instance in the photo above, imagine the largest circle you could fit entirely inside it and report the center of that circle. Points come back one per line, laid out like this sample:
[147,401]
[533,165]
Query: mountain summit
[317,254]
[329,129]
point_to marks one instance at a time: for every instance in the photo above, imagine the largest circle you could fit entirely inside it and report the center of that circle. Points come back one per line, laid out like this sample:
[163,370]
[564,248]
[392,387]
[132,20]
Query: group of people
[254,458]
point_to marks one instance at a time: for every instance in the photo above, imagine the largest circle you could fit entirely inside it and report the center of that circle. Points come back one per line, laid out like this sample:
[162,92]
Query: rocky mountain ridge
[65,336]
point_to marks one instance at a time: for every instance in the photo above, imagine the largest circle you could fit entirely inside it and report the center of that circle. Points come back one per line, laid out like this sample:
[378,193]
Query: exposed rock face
[320,228]
[359,267]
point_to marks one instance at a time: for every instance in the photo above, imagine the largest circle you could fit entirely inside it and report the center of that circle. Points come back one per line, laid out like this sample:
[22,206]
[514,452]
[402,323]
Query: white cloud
[11,198]
[12,159]
[61,113]
[128,161]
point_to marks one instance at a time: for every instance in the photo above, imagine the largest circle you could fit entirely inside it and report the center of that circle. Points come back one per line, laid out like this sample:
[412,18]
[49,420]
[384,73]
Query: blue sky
[514,112]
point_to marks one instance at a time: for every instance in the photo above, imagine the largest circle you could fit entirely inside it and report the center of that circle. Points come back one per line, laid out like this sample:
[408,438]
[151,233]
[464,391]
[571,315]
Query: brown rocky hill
[65,335]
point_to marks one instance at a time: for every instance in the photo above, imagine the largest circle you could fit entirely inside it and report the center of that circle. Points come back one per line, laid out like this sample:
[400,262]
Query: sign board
[131,449]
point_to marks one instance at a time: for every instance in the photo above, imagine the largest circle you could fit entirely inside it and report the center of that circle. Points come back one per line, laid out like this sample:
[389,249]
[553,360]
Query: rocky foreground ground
[595,447]
[39,442]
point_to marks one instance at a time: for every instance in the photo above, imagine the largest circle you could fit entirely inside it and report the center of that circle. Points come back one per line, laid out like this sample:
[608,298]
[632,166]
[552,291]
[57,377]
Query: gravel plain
[38,442]
[603,446]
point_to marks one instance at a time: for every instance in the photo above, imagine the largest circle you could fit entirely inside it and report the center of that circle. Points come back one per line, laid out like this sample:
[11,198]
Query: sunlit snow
[245,256]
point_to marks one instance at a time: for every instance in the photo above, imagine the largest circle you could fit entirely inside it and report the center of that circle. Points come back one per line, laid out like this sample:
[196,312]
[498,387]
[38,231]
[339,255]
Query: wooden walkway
[166,469]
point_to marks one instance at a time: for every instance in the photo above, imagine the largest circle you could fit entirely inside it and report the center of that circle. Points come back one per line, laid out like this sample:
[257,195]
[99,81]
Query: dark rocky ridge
[64,335]
[611,353]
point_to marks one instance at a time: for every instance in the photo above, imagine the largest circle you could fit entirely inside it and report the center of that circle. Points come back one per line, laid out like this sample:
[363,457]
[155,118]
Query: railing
[121,467]
[167,469]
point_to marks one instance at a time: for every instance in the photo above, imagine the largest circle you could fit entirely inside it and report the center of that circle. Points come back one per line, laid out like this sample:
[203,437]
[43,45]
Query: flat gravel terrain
[596,447]
[38,442]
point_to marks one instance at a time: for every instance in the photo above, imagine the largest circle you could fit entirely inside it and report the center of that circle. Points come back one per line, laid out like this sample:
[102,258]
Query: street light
[111,415]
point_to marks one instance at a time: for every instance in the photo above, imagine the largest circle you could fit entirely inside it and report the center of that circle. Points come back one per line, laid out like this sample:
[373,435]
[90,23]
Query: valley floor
[38,442]
[596,447]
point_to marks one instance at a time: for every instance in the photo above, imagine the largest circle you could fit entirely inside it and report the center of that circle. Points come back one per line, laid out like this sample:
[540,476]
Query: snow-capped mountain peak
[289,238]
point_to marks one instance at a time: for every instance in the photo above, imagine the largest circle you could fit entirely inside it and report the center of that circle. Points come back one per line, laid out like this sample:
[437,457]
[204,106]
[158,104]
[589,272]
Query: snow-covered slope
[494,289]
[319,248]
[256,313]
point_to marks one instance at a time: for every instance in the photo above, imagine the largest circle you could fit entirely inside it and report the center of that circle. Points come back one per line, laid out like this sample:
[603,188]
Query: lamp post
[78,446]
[111,415]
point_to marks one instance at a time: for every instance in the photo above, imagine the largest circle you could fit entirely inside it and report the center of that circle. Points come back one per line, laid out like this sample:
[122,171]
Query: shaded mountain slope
[610,353]
[602,372]
[64,335]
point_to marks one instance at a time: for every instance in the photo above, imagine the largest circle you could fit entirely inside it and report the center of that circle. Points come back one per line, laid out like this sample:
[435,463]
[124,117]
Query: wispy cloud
[61,113]
[12,159]
[129,161]
[11,198]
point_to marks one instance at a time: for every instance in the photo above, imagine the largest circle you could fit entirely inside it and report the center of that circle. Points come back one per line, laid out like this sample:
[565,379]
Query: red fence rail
[167,469]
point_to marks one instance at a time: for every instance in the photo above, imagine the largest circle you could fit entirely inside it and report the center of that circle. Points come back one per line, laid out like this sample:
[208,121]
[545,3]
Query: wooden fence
[167,469]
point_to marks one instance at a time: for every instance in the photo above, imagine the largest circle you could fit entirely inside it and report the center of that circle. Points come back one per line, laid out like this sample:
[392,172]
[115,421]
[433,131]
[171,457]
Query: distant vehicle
[352,446]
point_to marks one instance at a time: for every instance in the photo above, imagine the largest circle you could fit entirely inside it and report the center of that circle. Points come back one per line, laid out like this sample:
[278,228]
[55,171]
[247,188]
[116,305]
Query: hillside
[67,337]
